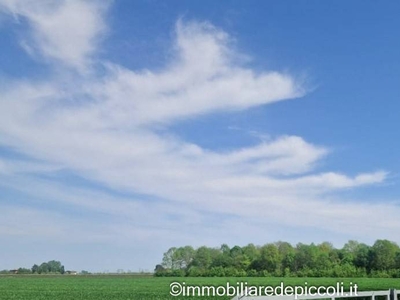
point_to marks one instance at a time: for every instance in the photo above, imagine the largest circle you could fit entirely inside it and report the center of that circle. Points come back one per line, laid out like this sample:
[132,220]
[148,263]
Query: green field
[104,287]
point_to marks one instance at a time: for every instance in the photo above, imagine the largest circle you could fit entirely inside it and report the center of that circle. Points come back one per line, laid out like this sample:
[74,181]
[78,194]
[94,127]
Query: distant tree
[159,271]
[235,252]
[398,260]
[325,247]
[348,252]
[204,257]
[225,249]
[351,246]
[335,255]
[240,261]
[168,261]
[269,260]
[282,259]
[323,264]
[383,255]
[159,268]
[183,256]
[44,268]
[251,251]
[35,269]
[195,271]
[54,266]
[305,258]
[24,271]
[223,259]
[287,253]
[362,256]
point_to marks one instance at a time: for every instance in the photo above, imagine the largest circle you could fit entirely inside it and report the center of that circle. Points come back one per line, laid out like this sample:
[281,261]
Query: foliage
[282,259]
[84,272]
[24,271]
[50,267]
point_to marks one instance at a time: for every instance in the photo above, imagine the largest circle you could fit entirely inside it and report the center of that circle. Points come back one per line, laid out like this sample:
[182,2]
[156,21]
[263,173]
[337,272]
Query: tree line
[281,259]
[50,267]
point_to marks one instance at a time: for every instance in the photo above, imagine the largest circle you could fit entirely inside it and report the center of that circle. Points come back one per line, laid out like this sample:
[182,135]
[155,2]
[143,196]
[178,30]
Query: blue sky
[128,127]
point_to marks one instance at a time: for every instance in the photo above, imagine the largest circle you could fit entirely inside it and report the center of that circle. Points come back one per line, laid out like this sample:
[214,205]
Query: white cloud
[102,129]
[67,31]
[286,155]
[203,77]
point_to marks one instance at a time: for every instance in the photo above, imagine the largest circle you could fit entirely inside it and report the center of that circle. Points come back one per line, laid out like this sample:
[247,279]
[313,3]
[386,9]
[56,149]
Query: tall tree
[35,269]
[204,257]
[384,255]
[269,260]
[287,253]
[251,251]
[183,256]
[168,261]
[44,268]
[362,256]
[54,266]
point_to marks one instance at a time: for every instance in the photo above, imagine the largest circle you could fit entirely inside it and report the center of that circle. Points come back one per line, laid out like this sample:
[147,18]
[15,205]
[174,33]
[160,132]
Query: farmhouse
[71,272]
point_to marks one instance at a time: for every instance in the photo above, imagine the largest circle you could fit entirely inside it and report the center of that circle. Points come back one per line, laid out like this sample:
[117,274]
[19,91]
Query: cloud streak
[64,31]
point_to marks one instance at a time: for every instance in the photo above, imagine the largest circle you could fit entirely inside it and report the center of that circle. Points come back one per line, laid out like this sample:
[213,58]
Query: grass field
[104,287]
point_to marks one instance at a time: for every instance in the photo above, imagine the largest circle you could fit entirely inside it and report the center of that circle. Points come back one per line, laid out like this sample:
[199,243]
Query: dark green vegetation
[50,267]
[282,259]
[103,287]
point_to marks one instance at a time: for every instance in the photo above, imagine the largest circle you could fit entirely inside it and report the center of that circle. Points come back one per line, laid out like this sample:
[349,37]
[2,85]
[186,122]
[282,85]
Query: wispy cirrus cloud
[65,31]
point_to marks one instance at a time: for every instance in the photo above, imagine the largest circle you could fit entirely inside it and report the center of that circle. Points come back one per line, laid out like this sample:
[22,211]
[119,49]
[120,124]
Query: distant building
[71,272]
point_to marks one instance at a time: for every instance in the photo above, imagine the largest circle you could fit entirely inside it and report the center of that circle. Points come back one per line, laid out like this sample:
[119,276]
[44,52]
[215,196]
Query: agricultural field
[107,287]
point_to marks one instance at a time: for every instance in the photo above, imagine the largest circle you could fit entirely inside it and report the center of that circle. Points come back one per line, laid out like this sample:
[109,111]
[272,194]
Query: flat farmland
[124,287]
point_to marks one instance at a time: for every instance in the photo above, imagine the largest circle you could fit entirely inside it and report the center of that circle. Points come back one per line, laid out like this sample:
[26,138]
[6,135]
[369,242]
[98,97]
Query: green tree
[225,249]
[240,261]
[269,260]
[324,263]
[168,261]
[54,266]
[183,256]
[223,260]
[24,271]
[384,255]
[35,269]
[281,259]
[251,251]
[306,257]
[204,257]
[287,253]
[44,268]
[348,252]
[398,260]
[362,256]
